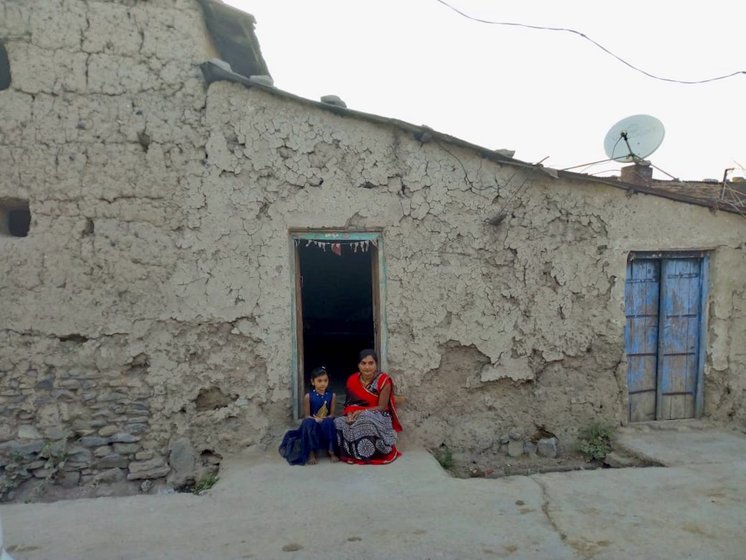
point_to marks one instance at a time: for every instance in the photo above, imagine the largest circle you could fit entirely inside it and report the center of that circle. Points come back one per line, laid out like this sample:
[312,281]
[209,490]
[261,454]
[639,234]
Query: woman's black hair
[318,372]
[367,352]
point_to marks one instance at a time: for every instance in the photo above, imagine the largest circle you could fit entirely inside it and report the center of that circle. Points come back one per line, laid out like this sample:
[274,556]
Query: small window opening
[4,68]
[15,218]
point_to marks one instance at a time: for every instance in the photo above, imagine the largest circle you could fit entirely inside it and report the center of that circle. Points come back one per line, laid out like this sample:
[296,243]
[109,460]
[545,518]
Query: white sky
[540,93]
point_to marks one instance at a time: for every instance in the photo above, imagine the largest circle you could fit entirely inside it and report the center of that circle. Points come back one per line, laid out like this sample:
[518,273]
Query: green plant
[12,475]
[594,441]
[444,456]
[206,483]
[7,485]
[55,453]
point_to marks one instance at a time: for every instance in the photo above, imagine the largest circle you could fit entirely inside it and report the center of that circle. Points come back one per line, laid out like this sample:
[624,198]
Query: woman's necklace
[366,382]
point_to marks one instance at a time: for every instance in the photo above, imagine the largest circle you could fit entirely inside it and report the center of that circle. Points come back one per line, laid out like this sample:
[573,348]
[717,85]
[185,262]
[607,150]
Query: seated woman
[366,433]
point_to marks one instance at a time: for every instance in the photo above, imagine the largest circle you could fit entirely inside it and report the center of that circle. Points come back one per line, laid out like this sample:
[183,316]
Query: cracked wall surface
[151,300]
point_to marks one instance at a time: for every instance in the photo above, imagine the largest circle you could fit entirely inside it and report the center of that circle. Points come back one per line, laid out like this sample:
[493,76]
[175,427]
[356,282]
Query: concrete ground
[411,509]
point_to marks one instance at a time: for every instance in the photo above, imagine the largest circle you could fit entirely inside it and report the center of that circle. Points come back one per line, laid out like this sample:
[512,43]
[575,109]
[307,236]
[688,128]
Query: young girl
[317,431]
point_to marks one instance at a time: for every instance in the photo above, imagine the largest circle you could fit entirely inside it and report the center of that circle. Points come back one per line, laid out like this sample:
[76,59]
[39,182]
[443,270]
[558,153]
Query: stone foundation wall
[145,322]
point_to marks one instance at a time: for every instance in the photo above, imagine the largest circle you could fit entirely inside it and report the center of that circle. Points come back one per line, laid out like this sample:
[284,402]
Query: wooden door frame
[378,298]
[704,256]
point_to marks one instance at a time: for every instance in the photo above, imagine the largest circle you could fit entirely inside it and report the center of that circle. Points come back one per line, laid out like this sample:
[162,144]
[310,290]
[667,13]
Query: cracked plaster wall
[532,309]
[102,131]
[157,268]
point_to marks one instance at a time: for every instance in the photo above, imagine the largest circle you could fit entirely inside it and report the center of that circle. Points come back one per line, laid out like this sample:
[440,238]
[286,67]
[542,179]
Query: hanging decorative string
[338,247]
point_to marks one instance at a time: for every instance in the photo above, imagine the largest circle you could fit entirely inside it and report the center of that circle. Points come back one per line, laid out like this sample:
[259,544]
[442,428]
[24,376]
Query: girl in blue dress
[317,431]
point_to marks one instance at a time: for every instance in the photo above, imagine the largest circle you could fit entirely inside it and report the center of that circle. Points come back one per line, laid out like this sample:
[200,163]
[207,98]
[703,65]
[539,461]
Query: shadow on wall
[4,68]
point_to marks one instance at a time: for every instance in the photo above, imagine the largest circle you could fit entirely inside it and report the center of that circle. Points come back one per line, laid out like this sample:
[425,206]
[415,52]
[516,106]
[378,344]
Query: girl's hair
[318,372]
[367,352]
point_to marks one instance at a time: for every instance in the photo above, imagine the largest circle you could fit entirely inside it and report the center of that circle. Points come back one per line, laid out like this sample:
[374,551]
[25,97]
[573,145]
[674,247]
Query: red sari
[371,438]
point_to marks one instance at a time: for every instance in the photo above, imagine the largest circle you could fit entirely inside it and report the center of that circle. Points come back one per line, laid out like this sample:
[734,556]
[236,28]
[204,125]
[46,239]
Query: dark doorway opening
[337,307]
[19,221]
[4,68]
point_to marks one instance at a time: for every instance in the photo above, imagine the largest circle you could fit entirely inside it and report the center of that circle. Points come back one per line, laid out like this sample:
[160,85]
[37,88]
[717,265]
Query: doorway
[665,306]
[337,309]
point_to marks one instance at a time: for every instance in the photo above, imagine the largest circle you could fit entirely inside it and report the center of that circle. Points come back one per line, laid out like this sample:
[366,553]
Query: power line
[600,46]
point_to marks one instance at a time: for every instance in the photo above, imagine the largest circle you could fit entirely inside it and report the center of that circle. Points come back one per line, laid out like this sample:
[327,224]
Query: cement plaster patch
[684,445]
[667,513]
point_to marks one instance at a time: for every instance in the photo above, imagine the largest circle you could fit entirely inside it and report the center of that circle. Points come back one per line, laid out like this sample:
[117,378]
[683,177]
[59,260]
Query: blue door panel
[641,336]
[679,338]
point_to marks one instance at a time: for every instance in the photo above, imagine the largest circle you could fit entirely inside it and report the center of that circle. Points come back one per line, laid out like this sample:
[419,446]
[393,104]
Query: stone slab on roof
[232,32]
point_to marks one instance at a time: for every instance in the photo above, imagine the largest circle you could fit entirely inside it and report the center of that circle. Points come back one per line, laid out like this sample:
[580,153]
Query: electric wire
[461,163]
[507,205]
[599,45]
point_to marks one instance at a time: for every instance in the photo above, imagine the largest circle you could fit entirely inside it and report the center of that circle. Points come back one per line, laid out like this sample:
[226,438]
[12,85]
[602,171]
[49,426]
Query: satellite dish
[634,138]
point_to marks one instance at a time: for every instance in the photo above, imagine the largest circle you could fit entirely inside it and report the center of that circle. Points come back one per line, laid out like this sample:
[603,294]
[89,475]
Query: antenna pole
[725,181]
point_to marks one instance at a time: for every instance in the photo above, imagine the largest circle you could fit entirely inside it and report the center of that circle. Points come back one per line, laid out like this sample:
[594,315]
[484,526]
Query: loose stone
[547,447]
[44,473]
[93,441]
[124,437]
[111,461]
[107,431]
[79,455]
[68,479]
[154,468]
[16,448]
[109,476]
[28,432]
[102,451]
[617,461]
[136,428]
[515,448]
[126,448]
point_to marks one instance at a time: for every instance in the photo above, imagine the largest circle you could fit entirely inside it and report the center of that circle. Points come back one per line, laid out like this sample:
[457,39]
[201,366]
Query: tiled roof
[714,194]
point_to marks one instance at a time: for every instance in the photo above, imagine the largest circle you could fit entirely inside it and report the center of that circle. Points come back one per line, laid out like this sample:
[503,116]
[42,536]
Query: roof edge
[213,71]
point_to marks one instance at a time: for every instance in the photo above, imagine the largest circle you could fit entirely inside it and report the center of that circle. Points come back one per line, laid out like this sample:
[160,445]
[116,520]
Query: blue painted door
[663,306]
[642,292]
[678,350]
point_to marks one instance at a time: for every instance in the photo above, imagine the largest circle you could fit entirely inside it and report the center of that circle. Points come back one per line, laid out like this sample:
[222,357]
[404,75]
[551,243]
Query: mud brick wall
[145,321]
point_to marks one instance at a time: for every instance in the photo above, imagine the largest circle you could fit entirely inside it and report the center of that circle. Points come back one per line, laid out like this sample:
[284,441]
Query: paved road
[263,508]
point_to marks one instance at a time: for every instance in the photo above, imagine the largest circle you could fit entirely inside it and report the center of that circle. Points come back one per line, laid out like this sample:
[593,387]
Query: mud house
[180,242]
